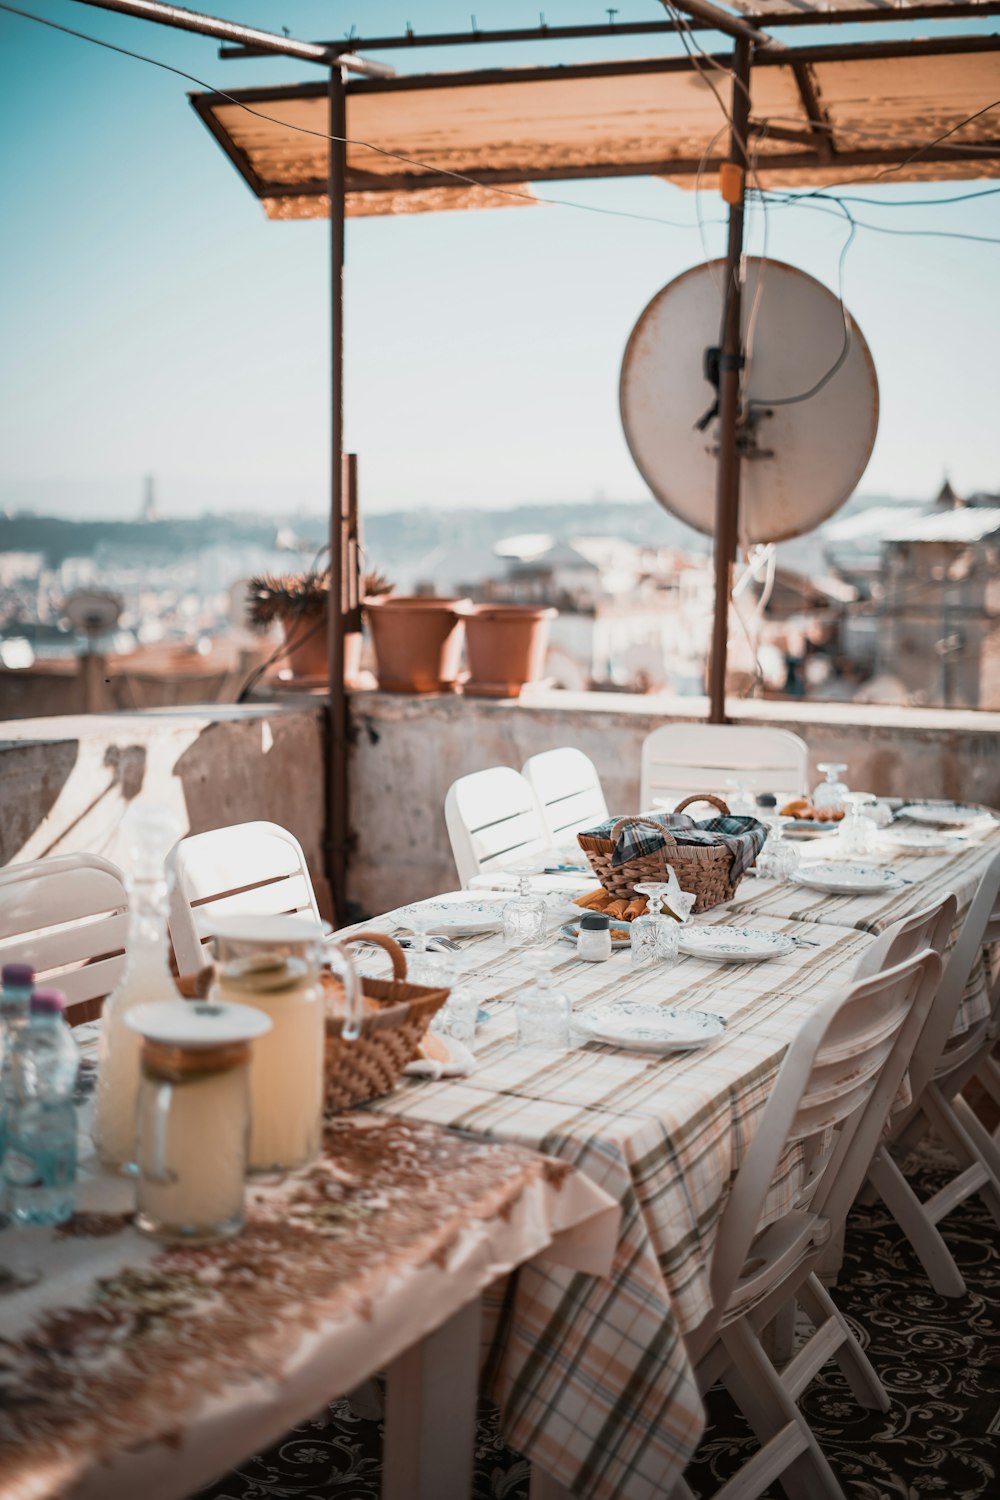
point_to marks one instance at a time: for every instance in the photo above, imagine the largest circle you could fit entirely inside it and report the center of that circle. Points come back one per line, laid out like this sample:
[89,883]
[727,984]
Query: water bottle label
[54,1167]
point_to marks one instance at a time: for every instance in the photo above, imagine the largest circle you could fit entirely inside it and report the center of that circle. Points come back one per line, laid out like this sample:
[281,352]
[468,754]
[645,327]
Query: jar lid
[766,799]
[595,921]
[197,1023]
[17,976]
[263,930]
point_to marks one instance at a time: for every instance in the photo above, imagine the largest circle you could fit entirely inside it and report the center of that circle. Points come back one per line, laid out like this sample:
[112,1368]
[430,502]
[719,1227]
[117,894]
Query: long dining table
[591,1375]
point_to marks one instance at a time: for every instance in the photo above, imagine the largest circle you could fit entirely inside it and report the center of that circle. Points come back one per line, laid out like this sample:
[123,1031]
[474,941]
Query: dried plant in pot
[299,603]
[506,646]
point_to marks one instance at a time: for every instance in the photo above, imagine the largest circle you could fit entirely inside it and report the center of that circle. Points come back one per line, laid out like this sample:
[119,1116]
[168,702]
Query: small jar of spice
[593,940]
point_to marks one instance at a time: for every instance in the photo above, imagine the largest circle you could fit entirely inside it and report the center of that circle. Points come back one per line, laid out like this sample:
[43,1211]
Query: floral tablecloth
[132,1368]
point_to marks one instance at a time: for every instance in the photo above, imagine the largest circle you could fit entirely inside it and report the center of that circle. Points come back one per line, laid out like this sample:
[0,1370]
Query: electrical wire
[824,379]
[803,200]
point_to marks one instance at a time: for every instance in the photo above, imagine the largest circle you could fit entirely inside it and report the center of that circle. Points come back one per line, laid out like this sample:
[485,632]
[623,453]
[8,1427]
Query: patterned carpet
[938,1358]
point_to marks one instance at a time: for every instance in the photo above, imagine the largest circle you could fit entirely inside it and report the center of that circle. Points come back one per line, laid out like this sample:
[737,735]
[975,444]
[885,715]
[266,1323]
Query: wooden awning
[819,115]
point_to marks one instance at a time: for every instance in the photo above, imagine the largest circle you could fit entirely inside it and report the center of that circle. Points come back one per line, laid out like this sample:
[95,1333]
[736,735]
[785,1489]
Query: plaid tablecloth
[931,875]
[591,1375]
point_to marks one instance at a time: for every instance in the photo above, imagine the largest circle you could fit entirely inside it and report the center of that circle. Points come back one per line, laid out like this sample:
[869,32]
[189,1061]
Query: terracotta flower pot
[417,641]
[307,657]
[506,646]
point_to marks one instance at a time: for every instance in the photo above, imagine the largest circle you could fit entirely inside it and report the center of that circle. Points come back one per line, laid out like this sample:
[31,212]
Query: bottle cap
[17,976]
[595,921]
[48,1003]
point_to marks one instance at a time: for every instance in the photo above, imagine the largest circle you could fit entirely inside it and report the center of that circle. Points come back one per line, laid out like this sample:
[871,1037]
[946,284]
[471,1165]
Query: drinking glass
[524,916]
[655,936]
[858,830]
[779,858]
[457,1016]
[831,792]
[424,965]
[739,797]
[543,1012]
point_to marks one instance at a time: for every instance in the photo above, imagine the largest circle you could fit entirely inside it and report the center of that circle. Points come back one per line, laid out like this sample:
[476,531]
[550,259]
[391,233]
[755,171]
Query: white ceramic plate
[925,840]
[460,914]
[569,931]
[649,1028]
[808,828]
[848,880]
[944,814]
[734,945]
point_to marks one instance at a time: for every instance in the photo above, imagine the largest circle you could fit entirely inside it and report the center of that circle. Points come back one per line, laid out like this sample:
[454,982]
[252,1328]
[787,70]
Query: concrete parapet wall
[409,750]
[66,782]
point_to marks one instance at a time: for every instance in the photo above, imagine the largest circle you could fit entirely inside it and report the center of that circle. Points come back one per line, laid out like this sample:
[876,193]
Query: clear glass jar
[655,937]
[273,964]
[543,1013]
[194,1093]
[830,794]
[524,916]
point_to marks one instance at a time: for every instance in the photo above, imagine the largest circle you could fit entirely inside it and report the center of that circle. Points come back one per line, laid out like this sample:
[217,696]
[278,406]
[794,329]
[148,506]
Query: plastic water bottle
[40,1164]
[18,981]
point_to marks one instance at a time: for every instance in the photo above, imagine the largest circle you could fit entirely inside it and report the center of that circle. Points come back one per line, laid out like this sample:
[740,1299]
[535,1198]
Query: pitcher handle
[342,964]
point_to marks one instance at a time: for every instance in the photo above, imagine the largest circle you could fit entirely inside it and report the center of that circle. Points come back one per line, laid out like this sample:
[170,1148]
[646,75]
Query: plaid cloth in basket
[743,837]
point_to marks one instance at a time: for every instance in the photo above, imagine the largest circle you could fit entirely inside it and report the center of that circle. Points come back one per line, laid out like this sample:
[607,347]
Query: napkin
[441,1057]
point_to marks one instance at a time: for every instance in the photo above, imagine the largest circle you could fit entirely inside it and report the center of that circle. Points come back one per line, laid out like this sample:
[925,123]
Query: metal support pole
[337,824]
[727,482]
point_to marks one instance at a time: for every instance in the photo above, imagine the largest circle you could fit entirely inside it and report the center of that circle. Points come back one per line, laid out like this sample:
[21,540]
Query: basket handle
[704,797]
[668,837]
[380,940]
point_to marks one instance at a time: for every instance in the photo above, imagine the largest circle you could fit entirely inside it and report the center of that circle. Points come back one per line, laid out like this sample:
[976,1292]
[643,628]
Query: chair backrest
[568,790]
[832,1097]
[250,869]
[937,1053]
[930,927]
[494,822]
[678,759]
[67,916]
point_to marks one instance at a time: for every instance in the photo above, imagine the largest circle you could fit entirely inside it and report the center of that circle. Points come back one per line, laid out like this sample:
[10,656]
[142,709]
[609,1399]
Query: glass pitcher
[273,964]
[193,1121]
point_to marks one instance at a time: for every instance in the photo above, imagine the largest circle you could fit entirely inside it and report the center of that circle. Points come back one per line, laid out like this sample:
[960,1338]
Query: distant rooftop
[965,524]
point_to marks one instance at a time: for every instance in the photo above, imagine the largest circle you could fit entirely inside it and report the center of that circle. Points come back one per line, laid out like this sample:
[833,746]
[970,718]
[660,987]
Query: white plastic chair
[942,1066]
[678,759]
[66,916]
[250,869]
[495,825]
[568,790]
[829,1104]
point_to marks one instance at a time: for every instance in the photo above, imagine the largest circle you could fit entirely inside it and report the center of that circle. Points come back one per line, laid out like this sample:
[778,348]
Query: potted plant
[417,641]
[298,602]
[506,645]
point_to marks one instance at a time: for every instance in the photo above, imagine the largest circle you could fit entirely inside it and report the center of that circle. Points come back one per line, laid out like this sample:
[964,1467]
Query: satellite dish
[802,459]
[93,612]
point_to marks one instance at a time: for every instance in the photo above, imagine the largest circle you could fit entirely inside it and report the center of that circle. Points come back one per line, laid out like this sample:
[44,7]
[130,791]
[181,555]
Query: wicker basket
[702,869]
[398,1014]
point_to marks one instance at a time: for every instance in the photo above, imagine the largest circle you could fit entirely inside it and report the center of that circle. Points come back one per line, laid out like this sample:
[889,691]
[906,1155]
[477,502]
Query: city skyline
[482,348]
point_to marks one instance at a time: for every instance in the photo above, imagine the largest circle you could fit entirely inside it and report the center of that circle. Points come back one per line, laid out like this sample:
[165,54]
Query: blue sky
[155,322]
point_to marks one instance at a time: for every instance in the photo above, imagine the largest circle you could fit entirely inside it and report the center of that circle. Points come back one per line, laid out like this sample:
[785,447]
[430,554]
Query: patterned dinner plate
[925,840]
[944,814]
[734,945]
[649,1028]
[848,880]
[460,915]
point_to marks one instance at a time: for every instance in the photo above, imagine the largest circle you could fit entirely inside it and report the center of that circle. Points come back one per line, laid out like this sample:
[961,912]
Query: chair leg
[908,1212]
[858,1370]
[778,1336]
[756,1388]
[979,1135]
[950,1128]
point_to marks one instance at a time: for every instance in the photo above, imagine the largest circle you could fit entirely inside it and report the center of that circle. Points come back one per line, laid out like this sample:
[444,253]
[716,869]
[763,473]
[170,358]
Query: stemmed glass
[831,792]
[525,915]
[740,797]
[778,858]
[654,937]
[858,831]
